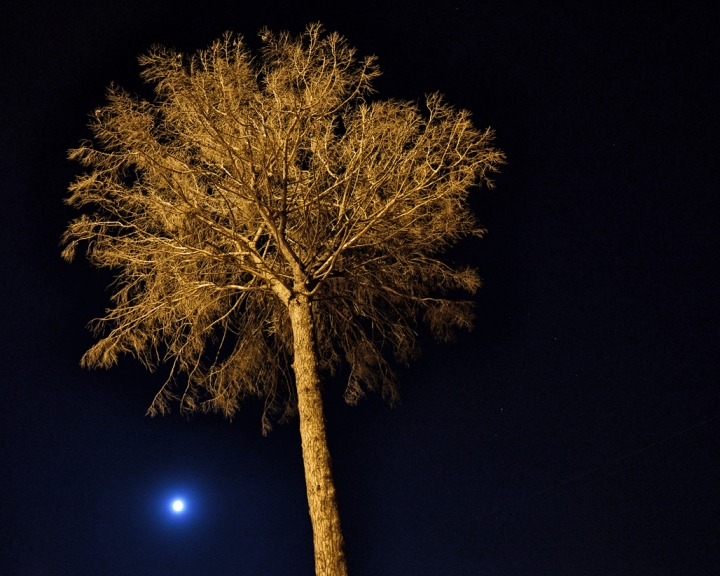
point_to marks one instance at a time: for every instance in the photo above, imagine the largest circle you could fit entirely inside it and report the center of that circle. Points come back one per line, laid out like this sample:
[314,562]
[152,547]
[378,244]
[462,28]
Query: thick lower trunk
[324,515]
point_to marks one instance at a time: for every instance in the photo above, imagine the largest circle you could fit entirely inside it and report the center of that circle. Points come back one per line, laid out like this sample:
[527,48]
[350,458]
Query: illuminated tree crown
[249,182]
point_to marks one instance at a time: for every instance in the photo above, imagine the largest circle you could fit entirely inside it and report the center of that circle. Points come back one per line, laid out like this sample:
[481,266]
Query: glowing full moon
[178,505]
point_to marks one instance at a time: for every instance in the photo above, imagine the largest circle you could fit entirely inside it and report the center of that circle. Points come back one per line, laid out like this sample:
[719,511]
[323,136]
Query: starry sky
[573,431]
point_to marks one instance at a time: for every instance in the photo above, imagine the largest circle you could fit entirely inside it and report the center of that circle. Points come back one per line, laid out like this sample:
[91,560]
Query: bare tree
[269,224]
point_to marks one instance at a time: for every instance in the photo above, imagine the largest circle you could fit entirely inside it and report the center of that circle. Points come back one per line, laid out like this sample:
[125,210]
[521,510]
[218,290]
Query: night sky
[574,431]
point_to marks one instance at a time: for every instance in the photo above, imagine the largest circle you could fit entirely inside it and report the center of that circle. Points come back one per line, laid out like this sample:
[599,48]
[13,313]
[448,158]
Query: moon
[178,505]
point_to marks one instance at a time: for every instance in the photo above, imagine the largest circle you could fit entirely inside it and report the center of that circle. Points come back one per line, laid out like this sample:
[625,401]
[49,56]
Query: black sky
[574,431]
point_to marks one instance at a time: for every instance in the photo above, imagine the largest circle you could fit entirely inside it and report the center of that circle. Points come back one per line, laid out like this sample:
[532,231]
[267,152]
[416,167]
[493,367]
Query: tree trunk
[324,515]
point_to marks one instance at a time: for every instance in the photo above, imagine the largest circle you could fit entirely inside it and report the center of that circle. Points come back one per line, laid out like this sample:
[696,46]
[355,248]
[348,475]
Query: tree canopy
[248,181]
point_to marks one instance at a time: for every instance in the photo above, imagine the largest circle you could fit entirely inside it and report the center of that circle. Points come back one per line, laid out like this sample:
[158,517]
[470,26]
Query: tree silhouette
[269,224]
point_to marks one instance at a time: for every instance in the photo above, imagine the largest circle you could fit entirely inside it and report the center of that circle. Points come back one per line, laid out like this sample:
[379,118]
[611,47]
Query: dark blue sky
[574,431]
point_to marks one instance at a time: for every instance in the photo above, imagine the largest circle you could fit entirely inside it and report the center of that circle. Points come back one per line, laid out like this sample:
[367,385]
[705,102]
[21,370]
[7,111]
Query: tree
[268,224]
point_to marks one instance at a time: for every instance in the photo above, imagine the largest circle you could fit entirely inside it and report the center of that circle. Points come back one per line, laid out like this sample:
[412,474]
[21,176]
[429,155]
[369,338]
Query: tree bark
[327,535]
